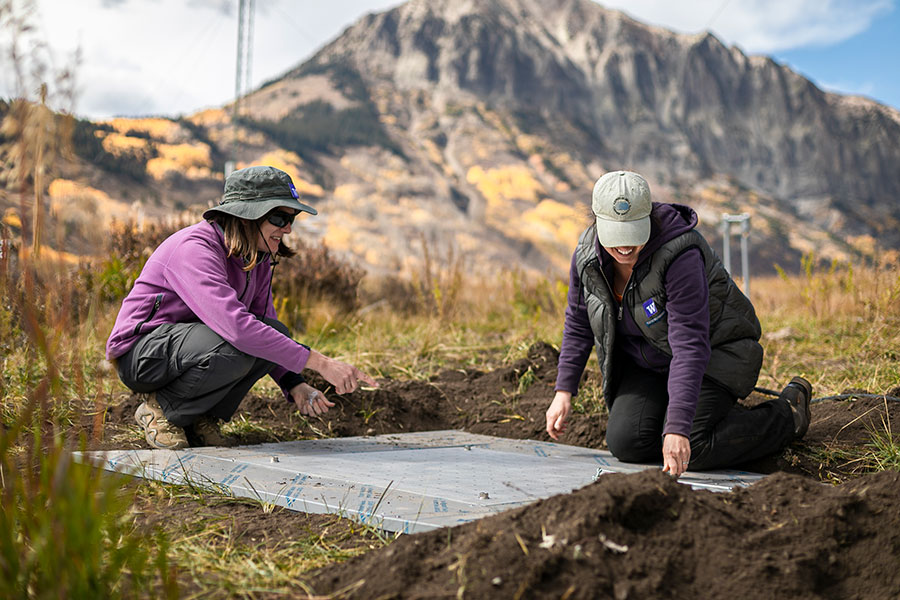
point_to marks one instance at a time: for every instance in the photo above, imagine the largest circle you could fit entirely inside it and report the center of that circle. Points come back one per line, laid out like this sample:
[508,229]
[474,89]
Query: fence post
[744,220]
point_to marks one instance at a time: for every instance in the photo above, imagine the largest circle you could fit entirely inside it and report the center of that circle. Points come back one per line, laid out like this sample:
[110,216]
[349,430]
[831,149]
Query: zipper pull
[624,293]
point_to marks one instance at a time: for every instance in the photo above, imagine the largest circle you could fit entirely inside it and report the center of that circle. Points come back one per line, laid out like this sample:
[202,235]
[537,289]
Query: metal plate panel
[400,482]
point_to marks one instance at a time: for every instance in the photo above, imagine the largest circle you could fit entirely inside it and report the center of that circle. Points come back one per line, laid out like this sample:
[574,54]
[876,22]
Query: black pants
[723,434]
[193,371]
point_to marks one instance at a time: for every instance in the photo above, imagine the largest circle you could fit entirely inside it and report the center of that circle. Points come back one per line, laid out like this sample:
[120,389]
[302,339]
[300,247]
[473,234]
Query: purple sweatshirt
[189,278]
[687,305]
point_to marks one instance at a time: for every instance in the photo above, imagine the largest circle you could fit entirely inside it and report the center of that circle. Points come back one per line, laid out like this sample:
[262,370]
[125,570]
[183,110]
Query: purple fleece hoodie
[687,292]
[189,278]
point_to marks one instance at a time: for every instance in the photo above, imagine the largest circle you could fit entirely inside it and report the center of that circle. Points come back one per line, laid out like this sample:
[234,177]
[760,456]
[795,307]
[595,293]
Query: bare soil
[625,536]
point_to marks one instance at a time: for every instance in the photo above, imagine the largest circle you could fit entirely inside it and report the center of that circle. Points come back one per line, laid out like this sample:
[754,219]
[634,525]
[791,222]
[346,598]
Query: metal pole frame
[744,220]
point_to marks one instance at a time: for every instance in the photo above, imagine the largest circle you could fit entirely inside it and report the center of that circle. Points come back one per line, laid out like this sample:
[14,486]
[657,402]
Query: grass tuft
[63,528]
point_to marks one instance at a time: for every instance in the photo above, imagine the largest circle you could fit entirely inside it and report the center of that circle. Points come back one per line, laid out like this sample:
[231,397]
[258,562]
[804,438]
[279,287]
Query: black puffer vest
[736,355]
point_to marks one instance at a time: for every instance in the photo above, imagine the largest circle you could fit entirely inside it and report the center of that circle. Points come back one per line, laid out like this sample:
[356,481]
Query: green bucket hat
[252,192]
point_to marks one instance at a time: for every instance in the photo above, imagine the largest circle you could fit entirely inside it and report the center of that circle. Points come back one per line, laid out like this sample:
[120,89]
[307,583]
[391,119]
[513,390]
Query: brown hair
[241,237]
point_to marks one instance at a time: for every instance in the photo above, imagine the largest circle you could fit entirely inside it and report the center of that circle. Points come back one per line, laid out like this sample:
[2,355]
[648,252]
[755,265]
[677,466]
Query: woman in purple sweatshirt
[198,328]
[677,341]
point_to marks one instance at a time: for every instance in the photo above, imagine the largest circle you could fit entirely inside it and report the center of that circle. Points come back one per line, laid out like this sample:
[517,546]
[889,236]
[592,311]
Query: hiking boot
[798,393]
[207,432]
[157,429]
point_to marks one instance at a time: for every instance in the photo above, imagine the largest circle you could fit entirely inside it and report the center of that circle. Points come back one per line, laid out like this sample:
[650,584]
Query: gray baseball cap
[621,203]
[252,192]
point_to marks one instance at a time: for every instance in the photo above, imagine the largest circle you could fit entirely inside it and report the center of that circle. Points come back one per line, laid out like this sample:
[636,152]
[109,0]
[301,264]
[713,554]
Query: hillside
[477,129]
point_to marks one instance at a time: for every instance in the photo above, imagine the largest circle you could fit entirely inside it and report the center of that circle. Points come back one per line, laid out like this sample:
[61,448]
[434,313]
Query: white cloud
[856,88]
[143,56]
[761,26]
[178,56]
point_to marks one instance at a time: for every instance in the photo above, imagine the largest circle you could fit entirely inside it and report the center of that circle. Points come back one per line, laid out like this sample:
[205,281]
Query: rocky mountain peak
[478,128]
[675,106]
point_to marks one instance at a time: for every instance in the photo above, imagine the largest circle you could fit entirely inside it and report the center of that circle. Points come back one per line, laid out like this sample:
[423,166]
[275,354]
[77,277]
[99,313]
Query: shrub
[314,274]
[88,146]
[318,127]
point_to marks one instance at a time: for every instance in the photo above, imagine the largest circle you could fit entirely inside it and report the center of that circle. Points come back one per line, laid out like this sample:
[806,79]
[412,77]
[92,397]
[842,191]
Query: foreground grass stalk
[64,532]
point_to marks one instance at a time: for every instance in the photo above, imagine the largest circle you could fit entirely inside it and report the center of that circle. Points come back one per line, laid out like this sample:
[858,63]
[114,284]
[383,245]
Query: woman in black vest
[677,341]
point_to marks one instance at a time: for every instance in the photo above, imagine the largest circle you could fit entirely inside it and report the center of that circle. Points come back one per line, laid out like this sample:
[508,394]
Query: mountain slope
[476,129]
[676,107]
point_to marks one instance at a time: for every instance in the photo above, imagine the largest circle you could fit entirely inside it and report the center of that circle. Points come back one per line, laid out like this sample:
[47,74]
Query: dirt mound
[646,536]
[507,402]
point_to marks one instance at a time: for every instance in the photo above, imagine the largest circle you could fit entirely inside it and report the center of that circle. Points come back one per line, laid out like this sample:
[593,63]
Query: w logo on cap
[293,190]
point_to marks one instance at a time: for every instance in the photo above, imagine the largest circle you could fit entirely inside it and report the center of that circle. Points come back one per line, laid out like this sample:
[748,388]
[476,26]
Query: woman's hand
[345,378]
[558,413]
[676,454]
[309,400]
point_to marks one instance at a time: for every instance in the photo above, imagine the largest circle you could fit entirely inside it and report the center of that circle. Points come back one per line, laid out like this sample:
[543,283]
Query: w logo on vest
[650,308]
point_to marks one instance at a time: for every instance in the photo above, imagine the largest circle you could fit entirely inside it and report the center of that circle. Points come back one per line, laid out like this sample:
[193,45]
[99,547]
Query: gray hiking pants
[193,371]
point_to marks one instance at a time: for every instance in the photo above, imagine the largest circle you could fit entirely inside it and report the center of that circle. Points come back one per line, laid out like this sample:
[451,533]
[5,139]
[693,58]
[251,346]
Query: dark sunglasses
[280,219]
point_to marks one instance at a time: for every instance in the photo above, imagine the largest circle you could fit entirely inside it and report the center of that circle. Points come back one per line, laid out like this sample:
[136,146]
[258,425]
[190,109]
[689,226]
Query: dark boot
[798,393]
[207,432]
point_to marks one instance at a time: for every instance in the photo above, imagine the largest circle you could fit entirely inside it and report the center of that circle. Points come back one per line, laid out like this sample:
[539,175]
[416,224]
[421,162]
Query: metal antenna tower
[242,80]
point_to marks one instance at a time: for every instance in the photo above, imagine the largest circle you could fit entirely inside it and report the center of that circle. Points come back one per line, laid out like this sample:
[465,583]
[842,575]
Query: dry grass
[838,325]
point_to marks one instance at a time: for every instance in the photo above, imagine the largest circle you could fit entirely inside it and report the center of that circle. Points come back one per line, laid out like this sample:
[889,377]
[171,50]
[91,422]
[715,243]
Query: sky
[174,57]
